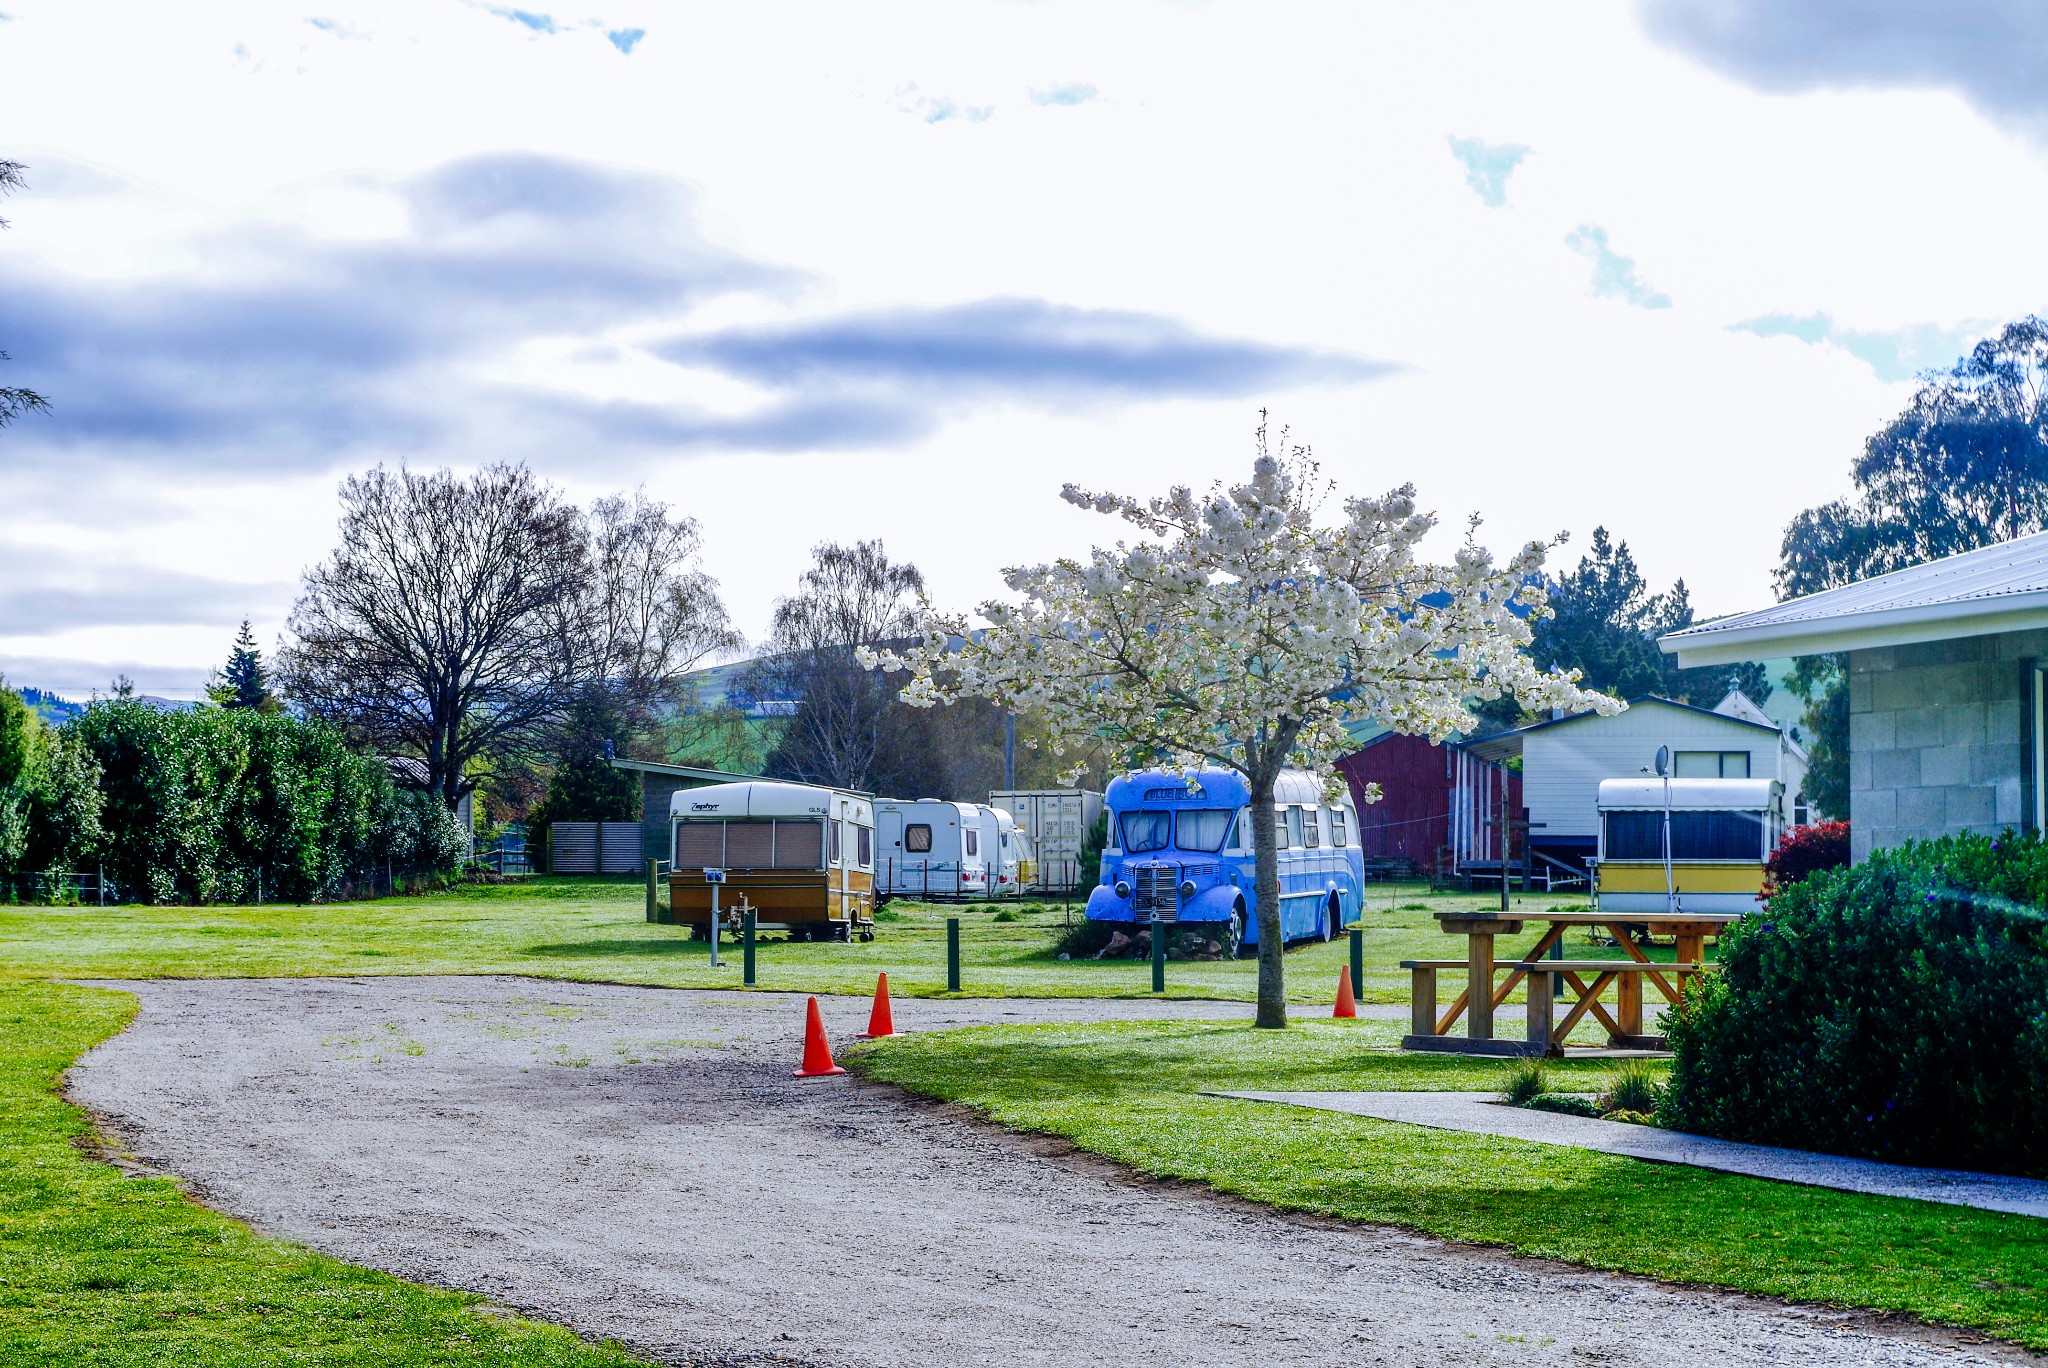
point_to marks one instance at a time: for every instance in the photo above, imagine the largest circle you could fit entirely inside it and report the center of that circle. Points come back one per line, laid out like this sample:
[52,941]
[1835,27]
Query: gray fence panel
[572,847]
[619,848]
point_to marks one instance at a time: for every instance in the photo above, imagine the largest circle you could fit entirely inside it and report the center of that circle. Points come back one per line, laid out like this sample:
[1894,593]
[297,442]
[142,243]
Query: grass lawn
[100,1269]
[1131,1092]
[586,928]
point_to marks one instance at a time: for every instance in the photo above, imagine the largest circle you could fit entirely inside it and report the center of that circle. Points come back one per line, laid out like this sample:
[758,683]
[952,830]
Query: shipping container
[1055,822]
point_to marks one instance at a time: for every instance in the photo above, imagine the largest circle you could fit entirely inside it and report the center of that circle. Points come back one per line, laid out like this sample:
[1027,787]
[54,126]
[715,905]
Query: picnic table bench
[1587,979]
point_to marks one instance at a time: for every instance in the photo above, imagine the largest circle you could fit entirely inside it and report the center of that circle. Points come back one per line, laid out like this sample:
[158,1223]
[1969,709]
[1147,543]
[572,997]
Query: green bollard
[1357,959]
[1158,955]
[747,949]
[952,954]
[652,865]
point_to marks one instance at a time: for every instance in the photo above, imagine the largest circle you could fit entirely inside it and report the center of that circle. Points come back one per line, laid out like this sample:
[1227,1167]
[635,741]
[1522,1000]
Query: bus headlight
[1123,888]
[1187,891]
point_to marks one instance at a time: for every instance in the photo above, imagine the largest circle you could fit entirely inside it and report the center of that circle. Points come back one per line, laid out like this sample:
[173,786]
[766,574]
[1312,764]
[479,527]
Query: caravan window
[838,842]
[750,845]
[1338,835]
[700,845]
[972,839]
[1201,828]
[799,845]
[865,845]
[1145,831]
[1694,836]
[917,838]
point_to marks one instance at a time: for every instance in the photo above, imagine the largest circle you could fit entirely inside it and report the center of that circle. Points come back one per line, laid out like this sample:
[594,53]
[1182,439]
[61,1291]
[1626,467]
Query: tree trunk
[1266,901]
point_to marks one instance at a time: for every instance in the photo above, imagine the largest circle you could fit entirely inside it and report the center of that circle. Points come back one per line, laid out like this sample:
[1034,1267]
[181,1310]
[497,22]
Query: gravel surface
[1483,1114]
[638,1163]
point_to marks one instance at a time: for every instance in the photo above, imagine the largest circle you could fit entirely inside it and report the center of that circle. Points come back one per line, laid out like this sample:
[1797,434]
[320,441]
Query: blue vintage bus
[1181,845]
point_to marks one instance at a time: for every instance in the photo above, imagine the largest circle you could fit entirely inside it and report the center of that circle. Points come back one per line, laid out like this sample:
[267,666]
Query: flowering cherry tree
[1243,631]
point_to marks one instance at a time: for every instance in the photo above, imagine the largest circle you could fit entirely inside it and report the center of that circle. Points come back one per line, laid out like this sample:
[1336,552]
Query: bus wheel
[1233,935]
[1331,912]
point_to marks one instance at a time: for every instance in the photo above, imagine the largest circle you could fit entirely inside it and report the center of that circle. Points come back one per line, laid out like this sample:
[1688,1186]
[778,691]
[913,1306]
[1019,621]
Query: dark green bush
[1895,1010]
[1564,1104]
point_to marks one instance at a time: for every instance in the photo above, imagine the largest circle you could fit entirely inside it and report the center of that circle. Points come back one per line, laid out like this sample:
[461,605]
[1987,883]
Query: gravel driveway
[637,1163]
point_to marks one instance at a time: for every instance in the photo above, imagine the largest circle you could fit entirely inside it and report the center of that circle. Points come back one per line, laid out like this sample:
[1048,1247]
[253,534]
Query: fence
[236,888]
[944,881]
[594,848]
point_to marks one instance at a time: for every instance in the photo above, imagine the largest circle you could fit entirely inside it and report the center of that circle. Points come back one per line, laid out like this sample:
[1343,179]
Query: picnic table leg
[1422,1002]
[1628,1004]
[1542,1006]
[1479,987]
[1689,952]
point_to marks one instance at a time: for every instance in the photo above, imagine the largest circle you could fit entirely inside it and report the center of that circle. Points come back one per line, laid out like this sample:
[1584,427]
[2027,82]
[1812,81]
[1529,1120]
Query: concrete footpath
[1484,1114]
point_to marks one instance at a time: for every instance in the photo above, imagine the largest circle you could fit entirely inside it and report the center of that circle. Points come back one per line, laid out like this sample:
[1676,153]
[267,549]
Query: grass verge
[595,930]
[1133,1093]
[104,1270]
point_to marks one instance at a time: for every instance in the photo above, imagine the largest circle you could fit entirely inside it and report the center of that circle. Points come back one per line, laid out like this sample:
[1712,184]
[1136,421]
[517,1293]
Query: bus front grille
[1155,891]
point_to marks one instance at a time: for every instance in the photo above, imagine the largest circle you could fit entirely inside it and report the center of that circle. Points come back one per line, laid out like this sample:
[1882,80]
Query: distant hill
[49,707]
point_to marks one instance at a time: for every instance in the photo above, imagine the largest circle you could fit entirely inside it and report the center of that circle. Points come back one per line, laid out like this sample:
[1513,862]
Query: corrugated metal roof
[1991,578]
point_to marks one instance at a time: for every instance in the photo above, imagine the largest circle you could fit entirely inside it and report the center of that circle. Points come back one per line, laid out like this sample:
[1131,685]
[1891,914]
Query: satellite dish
[1663,760]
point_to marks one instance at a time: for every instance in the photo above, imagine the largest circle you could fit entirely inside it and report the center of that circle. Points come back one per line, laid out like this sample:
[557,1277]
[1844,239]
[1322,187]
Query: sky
[822,271]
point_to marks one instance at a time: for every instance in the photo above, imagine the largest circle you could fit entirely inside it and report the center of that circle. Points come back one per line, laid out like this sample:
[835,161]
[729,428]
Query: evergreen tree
[244,683]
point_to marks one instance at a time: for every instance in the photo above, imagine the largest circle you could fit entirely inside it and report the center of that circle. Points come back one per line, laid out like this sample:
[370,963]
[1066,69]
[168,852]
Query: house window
[1710,765]
[2037,734]
[1801,814]
[917,838]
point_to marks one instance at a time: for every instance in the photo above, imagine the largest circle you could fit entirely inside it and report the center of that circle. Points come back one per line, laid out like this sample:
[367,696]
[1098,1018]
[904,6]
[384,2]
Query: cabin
[1948,688]
[1439,810]
[1563,761]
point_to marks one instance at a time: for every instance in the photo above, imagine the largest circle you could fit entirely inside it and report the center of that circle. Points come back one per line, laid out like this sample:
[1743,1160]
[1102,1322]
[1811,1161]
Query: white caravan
[1002,846]
[927,848]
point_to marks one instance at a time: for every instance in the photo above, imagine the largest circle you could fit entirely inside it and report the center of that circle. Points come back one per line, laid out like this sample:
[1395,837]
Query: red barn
[1434,808]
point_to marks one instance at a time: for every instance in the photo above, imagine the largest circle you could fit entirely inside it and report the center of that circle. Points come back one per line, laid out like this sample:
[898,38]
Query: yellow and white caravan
[1685,845]
[802,856]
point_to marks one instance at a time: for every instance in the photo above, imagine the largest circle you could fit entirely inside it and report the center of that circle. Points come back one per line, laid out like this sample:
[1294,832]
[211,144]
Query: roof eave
[1857,632]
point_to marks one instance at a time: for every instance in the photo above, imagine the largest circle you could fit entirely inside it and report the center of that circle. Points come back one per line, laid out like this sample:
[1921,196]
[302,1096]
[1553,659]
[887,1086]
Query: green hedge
[1896,1010]
[209,805]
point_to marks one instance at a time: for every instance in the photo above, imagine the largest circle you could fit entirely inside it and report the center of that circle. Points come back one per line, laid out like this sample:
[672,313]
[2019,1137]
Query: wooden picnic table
[1588,980]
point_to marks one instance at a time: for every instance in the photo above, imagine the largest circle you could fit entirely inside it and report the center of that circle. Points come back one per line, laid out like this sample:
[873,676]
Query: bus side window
[1280,828]
[1338,835]
[1294,833]
[1311,826]
[1241,834]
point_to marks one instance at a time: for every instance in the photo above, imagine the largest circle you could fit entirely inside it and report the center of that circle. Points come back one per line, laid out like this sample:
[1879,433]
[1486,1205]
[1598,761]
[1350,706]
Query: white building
[1564,760]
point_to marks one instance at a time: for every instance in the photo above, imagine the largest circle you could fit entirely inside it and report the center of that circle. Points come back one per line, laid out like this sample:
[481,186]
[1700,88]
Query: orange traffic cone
[1347,1006]
[817,1054]
[881,1021]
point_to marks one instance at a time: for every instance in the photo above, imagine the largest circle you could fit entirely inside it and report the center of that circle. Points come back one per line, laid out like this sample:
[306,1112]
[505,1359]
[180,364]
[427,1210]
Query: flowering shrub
[1896,1010]
[1805,850]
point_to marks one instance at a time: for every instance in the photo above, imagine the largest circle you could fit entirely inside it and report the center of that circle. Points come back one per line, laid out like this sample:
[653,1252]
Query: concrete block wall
[1938,738]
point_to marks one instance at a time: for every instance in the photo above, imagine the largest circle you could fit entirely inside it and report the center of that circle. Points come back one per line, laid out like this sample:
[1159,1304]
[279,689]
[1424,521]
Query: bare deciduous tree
[851,598]
[435,629]
[14,400]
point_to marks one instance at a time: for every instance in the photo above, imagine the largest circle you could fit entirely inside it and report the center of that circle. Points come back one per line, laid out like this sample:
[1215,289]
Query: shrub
[1526,1079]
[1083,938]
[1635,1088]
[1894,1010]
[1806,850]
[1565,1104]
[1633,1118]
[1006,915]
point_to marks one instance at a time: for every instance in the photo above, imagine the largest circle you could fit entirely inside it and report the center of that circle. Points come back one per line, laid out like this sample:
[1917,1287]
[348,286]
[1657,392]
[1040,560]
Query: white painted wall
[1562,766]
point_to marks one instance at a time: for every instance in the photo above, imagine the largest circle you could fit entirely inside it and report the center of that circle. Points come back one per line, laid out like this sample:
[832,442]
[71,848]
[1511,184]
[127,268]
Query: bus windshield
[1145,831]
[1202,828]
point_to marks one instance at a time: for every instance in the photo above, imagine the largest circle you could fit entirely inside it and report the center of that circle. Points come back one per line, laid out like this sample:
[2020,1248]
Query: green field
[595,929]
[106,1270]
[1133,1093]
